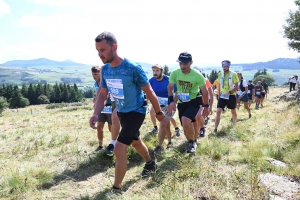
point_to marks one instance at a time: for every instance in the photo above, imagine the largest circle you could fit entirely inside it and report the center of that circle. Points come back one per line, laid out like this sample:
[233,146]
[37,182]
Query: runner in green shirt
[189,82]
[228,81]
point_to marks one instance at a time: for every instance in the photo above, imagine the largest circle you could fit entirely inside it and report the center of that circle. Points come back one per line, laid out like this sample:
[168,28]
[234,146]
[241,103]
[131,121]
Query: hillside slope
[46,154]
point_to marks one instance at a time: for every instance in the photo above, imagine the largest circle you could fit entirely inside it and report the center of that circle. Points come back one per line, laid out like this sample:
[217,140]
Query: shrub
[42,99]
[3,104]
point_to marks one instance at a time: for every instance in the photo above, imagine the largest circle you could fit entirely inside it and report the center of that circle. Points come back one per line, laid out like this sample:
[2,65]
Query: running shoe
[213,134]
[109,151]
[99,148]
[191,147]
[149,168]
[177,131]
[158,150]
[202,132]
[169,145]
[206,121]
[153,131]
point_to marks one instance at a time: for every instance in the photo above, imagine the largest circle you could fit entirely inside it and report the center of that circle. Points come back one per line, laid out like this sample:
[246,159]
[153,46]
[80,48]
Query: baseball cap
[158,66]
[250,81]
[185,57]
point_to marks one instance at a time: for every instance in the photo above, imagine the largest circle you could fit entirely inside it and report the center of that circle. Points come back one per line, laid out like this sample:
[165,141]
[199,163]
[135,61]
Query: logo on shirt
[185,85]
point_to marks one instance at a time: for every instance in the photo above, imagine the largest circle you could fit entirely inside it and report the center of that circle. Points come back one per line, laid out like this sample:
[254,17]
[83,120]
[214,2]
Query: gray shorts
[104,117]
[164,110]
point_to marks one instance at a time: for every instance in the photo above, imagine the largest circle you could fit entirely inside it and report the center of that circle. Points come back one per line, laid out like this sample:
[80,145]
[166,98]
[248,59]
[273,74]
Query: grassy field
[45,154]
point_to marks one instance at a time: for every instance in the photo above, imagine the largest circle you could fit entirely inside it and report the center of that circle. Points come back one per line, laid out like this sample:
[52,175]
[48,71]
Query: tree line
[35,94]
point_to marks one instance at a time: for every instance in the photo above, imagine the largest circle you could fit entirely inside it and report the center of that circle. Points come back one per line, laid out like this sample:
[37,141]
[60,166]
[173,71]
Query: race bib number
[162,100]
[107,110]
[240,93]
[249,91]
[115,87]
[257,93]
[184,97]
[223,96]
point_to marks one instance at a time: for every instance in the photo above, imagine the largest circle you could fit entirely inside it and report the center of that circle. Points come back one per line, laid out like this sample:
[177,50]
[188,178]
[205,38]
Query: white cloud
[36,12]
[4,8]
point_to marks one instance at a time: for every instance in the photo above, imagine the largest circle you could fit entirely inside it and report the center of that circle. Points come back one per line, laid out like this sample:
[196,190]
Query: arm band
[170,99]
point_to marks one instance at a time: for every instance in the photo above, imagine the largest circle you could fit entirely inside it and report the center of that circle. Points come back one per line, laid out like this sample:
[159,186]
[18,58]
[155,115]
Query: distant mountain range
[45,70]
[40,62]
[279,63]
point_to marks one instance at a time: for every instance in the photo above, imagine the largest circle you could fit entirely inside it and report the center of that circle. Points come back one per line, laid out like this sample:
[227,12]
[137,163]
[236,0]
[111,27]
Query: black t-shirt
[258,90]
[250,88]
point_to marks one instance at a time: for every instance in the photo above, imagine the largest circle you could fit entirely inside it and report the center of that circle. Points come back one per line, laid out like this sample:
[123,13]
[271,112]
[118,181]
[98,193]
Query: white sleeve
[245,83]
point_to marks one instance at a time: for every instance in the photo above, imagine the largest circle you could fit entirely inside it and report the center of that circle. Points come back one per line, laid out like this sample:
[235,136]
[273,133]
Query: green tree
[31,94]
[57,93]
[213,76]
[268,78]
[43,99]
[24,90]
[166,70]
[39,90]
[17,100]
[292,28]
[258,73]
[3,104]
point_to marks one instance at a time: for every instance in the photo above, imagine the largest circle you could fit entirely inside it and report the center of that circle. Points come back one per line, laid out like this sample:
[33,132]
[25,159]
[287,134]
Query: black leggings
[292,85]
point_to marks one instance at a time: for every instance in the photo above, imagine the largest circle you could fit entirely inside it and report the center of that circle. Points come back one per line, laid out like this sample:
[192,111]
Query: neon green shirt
[187,83]
[226,87]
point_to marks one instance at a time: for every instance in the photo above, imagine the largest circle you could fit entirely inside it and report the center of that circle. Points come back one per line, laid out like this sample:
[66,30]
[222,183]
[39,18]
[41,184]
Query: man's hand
[93,121]
[160,117]
[171,108]
[210,111]
[205,112]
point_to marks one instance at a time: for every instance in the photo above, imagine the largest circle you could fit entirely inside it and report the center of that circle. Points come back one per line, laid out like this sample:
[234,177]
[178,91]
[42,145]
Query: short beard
[111,58]
[159,77]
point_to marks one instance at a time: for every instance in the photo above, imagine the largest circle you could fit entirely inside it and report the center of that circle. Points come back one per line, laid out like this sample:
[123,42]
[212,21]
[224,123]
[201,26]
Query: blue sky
[156,31]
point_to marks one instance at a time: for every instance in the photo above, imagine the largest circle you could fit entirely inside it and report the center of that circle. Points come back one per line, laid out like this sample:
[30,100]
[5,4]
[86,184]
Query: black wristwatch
[205,105]
[159,113]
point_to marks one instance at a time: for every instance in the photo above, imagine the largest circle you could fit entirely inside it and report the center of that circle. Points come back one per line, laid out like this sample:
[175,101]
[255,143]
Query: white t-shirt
[293,80]
[245,84]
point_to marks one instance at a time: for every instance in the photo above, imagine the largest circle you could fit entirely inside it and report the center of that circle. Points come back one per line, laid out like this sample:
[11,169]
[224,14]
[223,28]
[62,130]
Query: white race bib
[162,100]
[107,110]
[257,93]
[115,87]
[224,97]
[240,93]
[184,97]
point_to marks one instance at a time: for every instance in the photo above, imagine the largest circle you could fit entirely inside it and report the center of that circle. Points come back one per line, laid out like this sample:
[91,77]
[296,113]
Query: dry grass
[44,154]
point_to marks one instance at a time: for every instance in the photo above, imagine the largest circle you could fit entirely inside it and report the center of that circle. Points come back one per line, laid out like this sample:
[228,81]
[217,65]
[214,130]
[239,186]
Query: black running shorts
[229,103]
[130,123]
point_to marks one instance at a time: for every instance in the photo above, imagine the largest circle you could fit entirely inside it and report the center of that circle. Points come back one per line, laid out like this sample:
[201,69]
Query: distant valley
[50,71]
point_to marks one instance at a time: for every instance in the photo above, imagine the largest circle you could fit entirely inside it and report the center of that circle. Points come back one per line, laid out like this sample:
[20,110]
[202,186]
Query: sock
[113,142]
[155,127]
[149,163]
[114,187]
